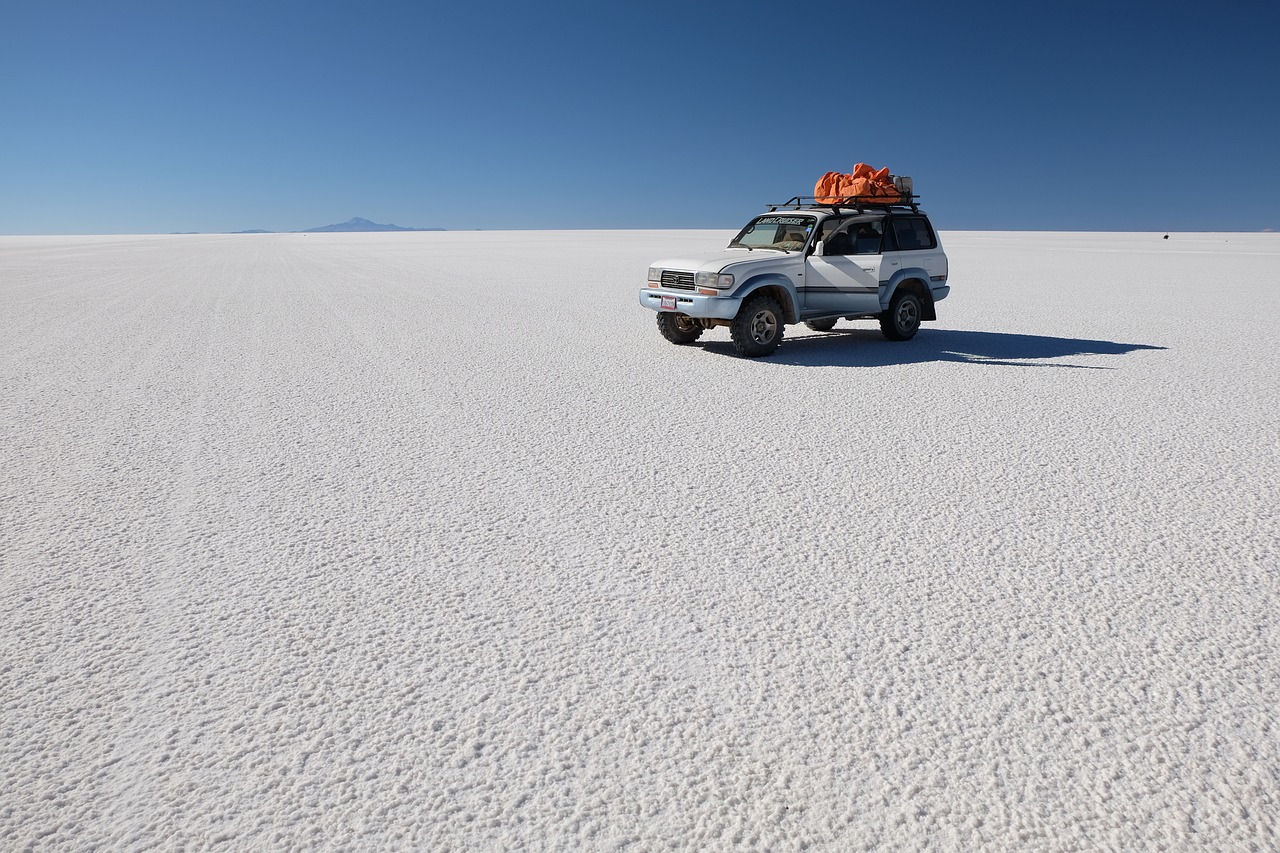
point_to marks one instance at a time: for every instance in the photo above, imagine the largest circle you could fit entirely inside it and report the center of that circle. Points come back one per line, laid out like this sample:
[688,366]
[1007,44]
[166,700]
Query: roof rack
[859,203]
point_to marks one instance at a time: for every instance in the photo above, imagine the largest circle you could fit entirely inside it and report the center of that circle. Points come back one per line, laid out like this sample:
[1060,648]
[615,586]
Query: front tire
[679,328]
[757,330]
[902,320]
[821,325]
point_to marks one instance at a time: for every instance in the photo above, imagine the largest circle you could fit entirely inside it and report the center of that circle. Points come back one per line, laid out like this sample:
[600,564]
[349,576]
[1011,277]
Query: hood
[722,260]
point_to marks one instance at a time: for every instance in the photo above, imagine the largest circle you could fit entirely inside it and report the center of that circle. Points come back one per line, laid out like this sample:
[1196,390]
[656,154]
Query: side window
[868,238]
[828,225]
[913,232]
[836,242]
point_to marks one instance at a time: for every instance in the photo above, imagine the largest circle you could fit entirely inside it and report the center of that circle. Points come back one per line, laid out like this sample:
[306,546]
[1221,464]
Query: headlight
[655,274]
[717,280]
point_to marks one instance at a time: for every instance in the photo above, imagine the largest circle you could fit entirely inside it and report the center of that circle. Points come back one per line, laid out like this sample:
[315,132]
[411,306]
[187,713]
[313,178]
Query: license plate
[668,303]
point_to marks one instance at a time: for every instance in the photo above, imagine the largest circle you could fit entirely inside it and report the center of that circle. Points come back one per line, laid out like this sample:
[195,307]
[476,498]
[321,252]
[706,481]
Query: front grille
[677,280]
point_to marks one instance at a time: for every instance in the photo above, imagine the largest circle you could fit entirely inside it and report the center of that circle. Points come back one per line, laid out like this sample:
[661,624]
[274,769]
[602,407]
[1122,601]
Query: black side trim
[825,289]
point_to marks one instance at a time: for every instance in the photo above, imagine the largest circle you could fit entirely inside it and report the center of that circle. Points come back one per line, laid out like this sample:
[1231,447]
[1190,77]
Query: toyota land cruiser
[810,263]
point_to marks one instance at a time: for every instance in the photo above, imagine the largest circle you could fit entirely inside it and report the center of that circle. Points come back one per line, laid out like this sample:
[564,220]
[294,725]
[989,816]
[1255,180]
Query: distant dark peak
[359,223]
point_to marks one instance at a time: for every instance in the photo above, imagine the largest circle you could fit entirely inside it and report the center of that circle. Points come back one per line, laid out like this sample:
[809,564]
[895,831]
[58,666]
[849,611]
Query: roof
[846,205]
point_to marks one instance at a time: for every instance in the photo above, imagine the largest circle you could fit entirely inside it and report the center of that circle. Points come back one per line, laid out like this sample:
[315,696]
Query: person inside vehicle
[792,239]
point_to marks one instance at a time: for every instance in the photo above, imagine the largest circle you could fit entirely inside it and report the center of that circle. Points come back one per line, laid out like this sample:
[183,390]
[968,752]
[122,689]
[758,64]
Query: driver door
[845,278]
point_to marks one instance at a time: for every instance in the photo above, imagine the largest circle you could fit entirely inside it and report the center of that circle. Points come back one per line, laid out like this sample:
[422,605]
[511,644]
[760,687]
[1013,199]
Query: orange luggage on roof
[863,182]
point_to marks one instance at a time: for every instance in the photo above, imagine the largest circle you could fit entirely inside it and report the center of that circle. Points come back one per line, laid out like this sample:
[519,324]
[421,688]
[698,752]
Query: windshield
[780,231]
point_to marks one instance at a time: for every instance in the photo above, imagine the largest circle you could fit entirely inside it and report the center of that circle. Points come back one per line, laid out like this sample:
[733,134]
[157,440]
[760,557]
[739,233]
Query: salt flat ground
[430,540]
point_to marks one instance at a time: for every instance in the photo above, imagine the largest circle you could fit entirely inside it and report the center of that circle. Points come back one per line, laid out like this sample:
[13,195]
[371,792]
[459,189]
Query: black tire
[902,320]
[821,325]
[757,330]
[679,328]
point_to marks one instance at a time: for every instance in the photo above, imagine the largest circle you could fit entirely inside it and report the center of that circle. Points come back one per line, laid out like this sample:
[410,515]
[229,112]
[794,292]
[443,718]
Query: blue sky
[131,117]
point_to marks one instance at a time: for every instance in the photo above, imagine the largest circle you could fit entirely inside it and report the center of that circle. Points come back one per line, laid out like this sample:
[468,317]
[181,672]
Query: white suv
[805,263]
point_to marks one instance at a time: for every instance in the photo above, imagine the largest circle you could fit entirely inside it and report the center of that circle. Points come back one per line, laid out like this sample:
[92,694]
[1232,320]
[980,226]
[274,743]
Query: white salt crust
[378,541]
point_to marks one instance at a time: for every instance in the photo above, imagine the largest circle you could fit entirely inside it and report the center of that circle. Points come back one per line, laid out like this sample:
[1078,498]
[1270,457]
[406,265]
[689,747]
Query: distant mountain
[359,224]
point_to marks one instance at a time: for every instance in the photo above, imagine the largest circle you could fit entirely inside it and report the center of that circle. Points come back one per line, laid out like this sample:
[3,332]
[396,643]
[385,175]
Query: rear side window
[913,232]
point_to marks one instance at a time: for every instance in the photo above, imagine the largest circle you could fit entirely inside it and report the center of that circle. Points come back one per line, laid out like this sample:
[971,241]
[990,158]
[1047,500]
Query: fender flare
[783,288]
[916,280]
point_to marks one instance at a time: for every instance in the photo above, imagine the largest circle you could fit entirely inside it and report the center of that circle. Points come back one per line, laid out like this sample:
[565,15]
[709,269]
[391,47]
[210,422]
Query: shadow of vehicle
[867,348]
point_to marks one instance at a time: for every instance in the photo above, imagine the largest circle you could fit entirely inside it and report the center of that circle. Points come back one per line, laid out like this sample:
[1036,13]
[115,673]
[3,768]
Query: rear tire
[902,320]
[757,330]
[821,325]
[679,328]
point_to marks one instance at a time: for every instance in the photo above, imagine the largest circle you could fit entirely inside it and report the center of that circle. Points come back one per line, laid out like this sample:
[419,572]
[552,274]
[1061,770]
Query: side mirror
[818,249]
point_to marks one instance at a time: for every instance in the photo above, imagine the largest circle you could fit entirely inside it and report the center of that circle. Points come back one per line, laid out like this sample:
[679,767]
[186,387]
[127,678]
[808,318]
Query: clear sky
[130,117]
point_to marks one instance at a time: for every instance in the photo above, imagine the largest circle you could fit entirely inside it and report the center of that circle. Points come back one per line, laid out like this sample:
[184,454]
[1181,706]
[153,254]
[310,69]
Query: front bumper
[691,304]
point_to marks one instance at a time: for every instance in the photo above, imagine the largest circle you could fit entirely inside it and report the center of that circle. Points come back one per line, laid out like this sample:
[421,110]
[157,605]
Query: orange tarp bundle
[864,182]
